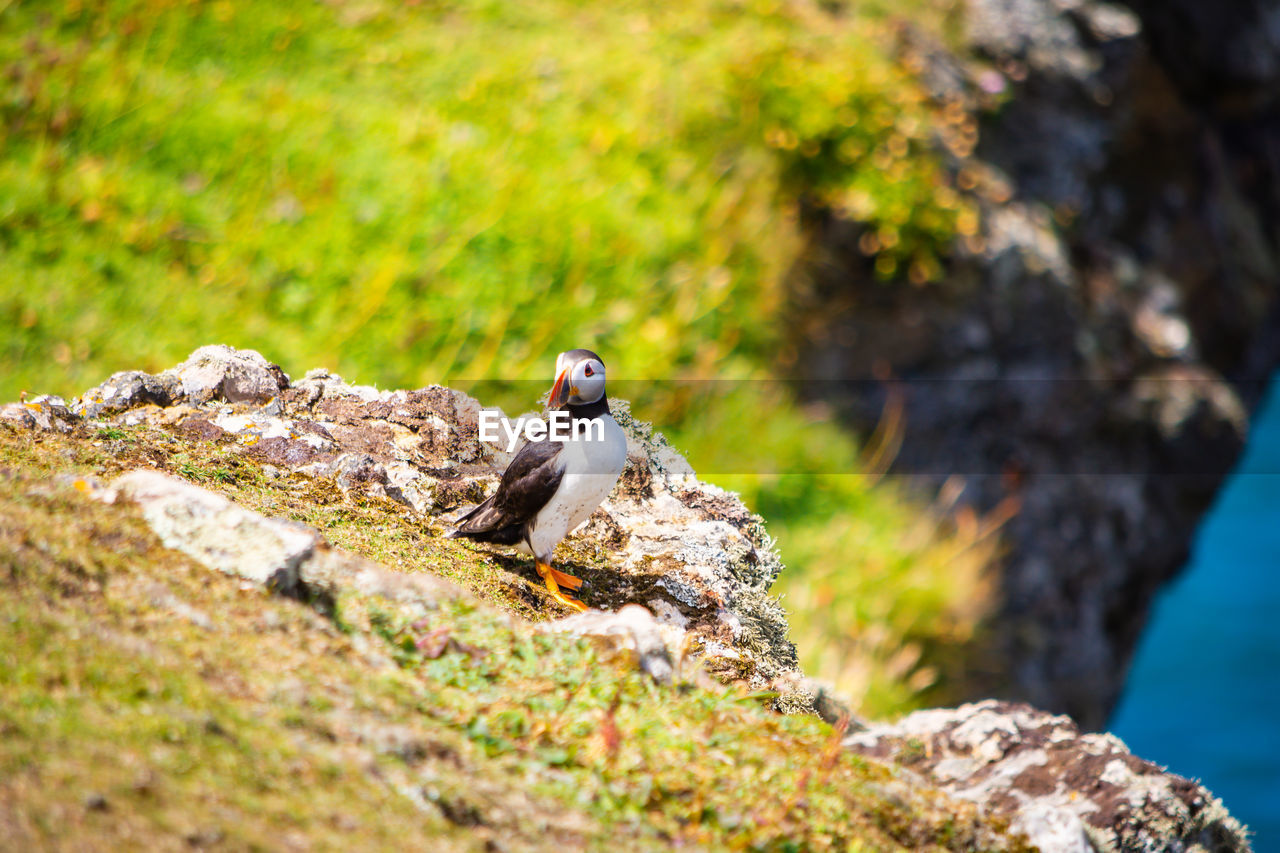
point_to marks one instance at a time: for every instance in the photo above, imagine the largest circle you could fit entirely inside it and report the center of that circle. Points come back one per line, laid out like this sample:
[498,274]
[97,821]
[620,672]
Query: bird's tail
[471,521]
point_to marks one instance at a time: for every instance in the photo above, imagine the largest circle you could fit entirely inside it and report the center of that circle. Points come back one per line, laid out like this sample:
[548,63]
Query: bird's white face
[578,380]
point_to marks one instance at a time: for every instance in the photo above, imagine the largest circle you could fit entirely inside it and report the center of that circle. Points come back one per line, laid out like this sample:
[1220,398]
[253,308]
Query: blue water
[1203,696]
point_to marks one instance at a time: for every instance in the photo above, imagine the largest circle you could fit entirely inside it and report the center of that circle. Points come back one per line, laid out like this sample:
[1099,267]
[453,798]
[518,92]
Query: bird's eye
[589,371]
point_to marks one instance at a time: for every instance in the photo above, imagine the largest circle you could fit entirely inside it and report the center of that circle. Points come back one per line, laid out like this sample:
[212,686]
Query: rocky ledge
[688,551]
[680,574]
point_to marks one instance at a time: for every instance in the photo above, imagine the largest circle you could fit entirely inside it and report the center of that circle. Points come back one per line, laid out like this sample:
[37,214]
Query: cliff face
[1100,339]
[233,621]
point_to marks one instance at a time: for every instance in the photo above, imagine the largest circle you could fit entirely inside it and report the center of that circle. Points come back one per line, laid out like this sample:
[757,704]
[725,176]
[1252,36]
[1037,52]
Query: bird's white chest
[593,461]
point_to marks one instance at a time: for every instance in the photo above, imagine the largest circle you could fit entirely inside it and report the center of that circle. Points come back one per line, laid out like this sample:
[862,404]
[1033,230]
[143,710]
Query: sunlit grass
[404,191]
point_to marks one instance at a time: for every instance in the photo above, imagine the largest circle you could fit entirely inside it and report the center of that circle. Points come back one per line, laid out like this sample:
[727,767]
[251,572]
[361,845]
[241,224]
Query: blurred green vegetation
[885,592]
[407,192]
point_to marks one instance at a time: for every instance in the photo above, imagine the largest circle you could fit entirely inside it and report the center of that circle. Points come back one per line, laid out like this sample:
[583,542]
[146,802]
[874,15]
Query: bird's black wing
[527,485]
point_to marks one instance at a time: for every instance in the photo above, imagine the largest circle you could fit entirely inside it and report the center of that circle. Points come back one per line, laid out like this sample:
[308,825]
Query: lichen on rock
[1066,790]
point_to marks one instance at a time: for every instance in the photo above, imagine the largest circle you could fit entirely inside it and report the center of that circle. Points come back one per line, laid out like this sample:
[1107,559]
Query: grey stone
[285,556]
[220,372]
[657,646]
[701,562]
[352,470]
[44,412]
[1066,790]
[127,390]
[216,532]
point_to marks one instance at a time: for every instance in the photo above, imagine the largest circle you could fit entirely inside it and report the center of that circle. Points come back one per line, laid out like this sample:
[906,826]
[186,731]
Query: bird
[554,484]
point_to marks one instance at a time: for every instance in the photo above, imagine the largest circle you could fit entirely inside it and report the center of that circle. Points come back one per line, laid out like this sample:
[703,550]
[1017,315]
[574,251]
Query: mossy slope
[153,703]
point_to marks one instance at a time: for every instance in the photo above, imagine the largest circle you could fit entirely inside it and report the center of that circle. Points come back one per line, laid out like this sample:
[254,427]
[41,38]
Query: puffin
[554,484]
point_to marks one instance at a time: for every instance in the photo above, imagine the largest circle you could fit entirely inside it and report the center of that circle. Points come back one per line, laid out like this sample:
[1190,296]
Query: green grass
[131,723]
[408,192]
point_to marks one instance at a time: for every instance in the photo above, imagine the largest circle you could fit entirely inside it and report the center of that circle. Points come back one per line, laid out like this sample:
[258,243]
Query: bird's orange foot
[569,582]
[550,576]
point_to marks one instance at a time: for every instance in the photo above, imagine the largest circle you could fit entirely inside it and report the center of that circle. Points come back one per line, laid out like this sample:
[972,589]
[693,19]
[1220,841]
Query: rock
[127,390]
[211,373]
[1224,56]
[833,708]
[202,429]
[293,558]
[216,532]
[285,556]
[658,646]
[44,412]
[237,376]
[696,556]
[331,570]
[1065,790]
[689,550]
[360,470]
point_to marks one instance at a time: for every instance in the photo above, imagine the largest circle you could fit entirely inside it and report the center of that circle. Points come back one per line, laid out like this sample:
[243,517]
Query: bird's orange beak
[560,391]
